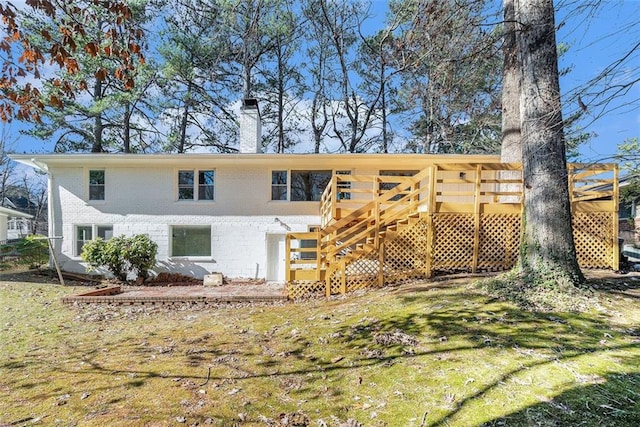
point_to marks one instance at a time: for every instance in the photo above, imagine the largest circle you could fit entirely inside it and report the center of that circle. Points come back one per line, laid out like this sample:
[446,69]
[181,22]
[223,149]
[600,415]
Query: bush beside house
[122,255]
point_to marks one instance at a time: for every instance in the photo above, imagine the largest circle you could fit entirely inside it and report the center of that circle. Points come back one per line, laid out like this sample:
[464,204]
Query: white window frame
[285,186]
[190,226]
[88,185]
[289,180]
[94,233]
[195,186]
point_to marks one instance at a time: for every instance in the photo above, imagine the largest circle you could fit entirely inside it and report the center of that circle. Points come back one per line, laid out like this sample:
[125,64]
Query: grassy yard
[431,353]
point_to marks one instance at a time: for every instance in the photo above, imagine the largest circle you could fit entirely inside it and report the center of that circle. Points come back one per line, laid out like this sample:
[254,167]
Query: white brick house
[226,213]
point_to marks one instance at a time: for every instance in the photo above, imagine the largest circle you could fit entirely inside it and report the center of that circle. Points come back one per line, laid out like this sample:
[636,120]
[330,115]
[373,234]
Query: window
[205,185]
[185,185]
[105,232]
[279,185]
[308,185]
[191,241]
[85,233]
[305,185]
[189,188]
[96,185]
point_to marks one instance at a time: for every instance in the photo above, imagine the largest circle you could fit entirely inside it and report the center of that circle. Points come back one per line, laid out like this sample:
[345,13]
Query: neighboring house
[34,223]
[226,213]
[18,227]
[11,224]
[628,213]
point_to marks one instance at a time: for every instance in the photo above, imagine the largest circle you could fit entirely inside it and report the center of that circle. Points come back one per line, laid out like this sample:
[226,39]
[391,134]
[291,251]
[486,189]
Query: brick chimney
[250,127]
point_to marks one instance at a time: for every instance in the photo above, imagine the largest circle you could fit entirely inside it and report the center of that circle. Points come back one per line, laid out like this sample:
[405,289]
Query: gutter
[42,166]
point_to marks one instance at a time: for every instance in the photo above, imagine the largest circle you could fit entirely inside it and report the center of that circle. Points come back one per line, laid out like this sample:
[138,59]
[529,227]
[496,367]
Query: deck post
[431,209]
[327,280]
[477,218]
[381,264]
[333,197]
[318,256]
[616,225]
[287,263]
[343,276]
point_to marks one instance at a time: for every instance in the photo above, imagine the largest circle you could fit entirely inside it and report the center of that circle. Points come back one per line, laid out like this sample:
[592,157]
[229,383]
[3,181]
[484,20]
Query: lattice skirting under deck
[453,244]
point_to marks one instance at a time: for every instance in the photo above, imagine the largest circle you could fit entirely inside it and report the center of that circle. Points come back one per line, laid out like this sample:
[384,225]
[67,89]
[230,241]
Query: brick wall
[139,200]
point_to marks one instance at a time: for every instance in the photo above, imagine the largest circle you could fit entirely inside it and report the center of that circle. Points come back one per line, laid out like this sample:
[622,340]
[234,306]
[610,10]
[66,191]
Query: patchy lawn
[430,353]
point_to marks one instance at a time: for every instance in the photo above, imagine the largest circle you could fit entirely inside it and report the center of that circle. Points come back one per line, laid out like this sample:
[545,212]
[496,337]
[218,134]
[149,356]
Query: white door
[275,257]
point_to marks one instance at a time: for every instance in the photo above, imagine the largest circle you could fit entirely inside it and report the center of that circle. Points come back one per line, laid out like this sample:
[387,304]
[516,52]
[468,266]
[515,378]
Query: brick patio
[232,293]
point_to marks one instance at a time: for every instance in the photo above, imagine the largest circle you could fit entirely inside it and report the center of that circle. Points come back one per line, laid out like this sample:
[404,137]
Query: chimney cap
[250,103]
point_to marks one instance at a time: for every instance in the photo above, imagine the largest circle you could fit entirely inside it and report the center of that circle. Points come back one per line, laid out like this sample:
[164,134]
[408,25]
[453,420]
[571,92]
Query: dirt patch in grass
[425,354]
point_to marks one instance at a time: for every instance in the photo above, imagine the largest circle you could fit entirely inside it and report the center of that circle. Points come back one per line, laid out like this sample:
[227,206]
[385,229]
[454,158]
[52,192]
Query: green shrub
[33,251]
[141,253]
[93,253]
[122,255]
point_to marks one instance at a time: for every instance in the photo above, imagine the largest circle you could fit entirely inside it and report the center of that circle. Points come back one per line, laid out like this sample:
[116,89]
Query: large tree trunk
[126,131]
[511,150]
[96,146]
[548,248]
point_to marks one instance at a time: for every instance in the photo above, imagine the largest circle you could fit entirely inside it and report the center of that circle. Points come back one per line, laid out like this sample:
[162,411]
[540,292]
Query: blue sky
[596,39]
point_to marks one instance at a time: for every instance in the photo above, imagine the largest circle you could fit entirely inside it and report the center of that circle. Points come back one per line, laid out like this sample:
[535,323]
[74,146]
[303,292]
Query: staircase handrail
[384,197]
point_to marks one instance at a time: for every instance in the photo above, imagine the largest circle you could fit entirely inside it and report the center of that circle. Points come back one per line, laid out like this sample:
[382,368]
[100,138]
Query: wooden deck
[446,218]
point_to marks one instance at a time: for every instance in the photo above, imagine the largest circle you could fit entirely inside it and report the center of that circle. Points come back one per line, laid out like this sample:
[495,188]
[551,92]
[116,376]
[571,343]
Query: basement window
[86,233]
[192,240]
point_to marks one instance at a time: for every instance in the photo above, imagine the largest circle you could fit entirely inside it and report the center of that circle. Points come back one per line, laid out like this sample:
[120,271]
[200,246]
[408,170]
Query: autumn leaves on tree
[24,54]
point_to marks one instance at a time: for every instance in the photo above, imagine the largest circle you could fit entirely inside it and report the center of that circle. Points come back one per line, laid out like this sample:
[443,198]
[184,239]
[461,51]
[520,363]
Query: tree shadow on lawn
[454,324]
[545,339]
[615,402]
